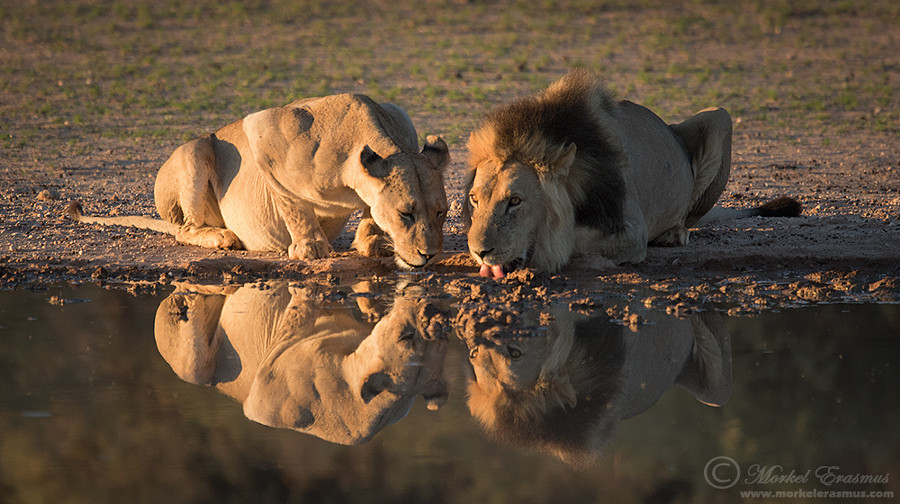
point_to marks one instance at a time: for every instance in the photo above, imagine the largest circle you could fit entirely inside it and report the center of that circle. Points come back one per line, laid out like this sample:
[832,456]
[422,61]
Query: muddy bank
[94,104]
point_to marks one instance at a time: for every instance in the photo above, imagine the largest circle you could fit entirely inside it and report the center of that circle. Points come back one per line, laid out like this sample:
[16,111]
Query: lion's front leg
[370,239]
[626,246]
[308,240]
[629,245]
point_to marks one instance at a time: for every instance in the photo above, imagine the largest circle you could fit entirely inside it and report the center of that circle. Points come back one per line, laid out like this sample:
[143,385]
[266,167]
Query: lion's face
[410,204]
[507,363]
[507,208]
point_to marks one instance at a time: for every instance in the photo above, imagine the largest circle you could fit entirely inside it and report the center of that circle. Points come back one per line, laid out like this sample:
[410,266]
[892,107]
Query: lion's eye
[407,217]
[514,352]
[473,200]
[473,353]
[514,201]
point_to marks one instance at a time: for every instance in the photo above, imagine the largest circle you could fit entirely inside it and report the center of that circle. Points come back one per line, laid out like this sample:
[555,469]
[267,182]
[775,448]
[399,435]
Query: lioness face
[409,202]
[507,206]
[411,209]
[403,355]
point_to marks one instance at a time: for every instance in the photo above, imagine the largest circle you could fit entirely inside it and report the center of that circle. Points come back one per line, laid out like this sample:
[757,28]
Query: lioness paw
[209,237]
[373,246]
[230,240]
[309,249]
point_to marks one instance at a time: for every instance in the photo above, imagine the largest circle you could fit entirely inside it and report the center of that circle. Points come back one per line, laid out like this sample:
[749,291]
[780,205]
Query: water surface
[395,392]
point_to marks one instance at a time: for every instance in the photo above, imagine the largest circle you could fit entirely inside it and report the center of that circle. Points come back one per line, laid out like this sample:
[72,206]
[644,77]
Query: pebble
[48,195]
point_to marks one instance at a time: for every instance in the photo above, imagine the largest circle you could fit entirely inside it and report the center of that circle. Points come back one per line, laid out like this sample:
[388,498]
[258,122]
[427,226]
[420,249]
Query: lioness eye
[407,217]
[514,201]
[473,200]
[514,352]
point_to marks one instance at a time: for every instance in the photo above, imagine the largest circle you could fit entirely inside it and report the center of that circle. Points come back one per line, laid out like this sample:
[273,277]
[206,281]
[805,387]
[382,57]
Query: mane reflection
[561,382]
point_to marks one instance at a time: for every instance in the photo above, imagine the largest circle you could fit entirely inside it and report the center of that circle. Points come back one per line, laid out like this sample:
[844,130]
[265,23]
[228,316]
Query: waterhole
[395,391]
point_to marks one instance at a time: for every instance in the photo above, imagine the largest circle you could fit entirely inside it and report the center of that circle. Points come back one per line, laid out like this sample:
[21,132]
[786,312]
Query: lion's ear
[375,384]
[560,388]
[557,163]
[436,152]
[372,163]
[565,160]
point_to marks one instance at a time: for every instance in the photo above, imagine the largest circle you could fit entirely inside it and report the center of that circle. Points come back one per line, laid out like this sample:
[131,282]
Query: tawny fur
[297,366]
[571,170]
[288,178]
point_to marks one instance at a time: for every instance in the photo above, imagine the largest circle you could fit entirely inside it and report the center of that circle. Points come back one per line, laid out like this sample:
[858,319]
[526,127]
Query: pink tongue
[495,271]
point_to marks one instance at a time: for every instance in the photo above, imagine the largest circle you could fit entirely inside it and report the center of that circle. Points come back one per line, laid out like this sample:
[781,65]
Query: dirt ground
[820,124]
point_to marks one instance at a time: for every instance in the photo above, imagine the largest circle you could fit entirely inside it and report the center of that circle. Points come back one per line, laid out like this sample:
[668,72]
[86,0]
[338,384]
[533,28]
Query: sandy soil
[845,246]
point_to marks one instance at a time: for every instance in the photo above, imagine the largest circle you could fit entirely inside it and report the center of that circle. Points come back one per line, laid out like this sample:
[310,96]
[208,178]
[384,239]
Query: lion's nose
[482,253]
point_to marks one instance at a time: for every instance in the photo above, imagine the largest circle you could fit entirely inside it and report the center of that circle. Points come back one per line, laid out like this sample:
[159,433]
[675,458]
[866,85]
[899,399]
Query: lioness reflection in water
[561,382]
[296,363]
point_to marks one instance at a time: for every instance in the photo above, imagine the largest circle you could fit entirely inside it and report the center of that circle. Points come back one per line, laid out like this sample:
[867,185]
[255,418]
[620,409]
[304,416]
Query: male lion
[288,178]
[571,170]
[564,383]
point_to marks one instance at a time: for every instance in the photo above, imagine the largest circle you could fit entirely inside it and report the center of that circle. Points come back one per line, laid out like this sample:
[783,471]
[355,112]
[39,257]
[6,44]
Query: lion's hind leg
[707,139]
[185,196]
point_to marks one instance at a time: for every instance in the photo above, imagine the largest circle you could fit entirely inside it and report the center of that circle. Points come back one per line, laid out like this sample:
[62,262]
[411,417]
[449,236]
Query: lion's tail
[77,214]
[783,206]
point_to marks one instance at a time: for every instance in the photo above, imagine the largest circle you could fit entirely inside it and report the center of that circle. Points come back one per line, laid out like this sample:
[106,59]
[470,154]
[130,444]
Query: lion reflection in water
[296,363]
[561,382]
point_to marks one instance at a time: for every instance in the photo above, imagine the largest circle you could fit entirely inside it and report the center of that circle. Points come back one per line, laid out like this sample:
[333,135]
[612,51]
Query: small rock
[48,195]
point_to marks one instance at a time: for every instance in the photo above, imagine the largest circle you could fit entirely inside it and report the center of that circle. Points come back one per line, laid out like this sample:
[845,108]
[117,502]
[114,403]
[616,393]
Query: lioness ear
[372,163]
[375,384]
[435,150]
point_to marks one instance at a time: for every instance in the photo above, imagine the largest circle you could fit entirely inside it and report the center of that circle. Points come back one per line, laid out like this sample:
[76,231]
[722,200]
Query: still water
[395,393]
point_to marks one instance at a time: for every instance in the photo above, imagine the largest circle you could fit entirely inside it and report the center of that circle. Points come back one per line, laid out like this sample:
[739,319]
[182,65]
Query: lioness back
[288,178]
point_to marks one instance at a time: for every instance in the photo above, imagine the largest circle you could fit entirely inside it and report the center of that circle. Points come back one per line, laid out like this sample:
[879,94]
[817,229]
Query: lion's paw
[229,240]
[309,249]
[373,246]
[210,237]
[673,237]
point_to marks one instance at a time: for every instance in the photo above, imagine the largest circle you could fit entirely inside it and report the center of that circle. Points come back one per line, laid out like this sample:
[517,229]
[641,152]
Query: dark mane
[577,109]
[576,433]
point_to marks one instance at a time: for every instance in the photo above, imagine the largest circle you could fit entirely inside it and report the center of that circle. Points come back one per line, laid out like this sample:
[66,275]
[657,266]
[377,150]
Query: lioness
[296,363]
[571,170]
[288,178]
